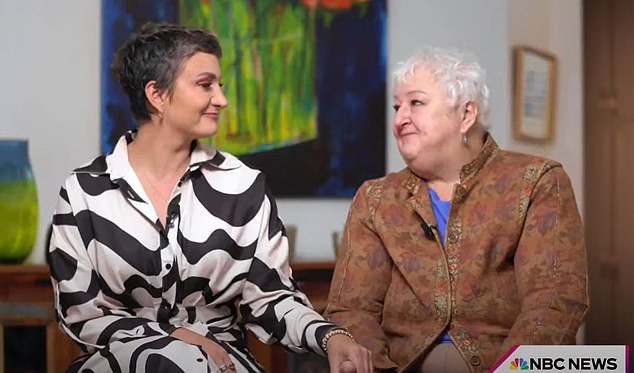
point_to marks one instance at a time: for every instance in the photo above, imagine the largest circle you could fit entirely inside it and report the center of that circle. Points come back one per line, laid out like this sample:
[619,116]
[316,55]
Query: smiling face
[427,129]
[192,108]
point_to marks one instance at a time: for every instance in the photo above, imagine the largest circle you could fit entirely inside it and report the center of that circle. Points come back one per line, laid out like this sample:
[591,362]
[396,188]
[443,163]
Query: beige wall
[50,95]
[51,59]
[555,26]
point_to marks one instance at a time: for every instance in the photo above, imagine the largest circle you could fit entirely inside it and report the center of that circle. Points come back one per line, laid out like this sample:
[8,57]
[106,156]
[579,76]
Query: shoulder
[529,168]
[523,159]
[392,180]
[227,174]
[96,166]
[230,164]
[94,172]
[372,191]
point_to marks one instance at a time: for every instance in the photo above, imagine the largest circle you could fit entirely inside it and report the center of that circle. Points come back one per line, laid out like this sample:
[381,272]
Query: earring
[464,140]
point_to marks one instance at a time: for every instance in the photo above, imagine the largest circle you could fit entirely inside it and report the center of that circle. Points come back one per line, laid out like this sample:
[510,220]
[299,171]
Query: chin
[209,130]
[408,153]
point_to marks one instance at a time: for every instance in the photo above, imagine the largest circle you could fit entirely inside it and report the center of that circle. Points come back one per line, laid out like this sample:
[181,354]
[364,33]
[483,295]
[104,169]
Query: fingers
[222,366]
[368,361]
[218,358]
[347,367]
[361,362]
[226,367]
[358,360]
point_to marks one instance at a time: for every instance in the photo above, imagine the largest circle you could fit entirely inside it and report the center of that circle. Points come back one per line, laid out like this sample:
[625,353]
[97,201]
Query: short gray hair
[461,75]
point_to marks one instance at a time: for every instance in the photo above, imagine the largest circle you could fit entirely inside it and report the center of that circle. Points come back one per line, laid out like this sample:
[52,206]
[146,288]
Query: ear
[155,96]
[469,116]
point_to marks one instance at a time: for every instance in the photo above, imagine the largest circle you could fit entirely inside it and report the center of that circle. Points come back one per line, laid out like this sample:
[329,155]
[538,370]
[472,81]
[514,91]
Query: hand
[347,356]
[218,358]
[347,367]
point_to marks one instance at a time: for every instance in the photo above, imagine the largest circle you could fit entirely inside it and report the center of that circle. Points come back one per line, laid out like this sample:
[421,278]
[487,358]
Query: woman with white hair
[467,251]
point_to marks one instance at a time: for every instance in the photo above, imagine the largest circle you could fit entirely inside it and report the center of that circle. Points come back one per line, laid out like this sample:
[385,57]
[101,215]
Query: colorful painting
[305,82]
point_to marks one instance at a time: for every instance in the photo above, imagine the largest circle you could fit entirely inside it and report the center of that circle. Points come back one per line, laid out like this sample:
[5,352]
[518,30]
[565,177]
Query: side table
[26,299]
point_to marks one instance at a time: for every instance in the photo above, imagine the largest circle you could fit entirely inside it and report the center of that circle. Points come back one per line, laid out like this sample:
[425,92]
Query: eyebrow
[211,76]
[413,92]
[417,91]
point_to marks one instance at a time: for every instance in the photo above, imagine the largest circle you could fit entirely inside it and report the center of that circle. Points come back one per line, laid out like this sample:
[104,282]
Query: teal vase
[18,202]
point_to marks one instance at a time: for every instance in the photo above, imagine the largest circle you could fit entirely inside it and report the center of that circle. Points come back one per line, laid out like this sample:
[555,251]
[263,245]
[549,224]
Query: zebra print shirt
[118,274]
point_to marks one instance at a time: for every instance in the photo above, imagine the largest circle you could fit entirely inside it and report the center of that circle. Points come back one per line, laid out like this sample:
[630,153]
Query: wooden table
[26,299]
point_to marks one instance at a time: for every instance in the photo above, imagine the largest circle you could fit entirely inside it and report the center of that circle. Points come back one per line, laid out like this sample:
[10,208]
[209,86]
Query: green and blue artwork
[305,81]
[268,71]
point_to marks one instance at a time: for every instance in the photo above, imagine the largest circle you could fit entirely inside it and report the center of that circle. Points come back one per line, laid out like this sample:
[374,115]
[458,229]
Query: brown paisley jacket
[512,270]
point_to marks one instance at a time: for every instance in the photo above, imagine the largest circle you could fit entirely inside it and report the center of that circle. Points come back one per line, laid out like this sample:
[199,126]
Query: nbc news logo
[564,359]
[577,364]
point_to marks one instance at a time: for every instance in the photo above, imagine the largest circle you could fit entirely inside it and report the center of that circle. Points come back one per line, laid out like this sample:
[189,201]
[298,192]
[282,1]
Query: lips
[406,133]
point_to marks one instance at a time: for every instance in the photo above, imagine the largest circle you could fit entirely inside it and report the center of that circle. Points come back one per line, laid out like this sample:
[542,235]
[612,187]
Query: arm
[271,306]
[86,313]
[275,310]
[550,266]
[361,278]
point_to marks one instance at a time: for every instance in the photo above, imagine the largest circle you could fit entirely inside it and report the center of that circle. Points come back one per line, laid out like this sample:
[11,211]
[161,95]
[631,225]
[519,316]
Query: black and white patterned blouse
[123,282]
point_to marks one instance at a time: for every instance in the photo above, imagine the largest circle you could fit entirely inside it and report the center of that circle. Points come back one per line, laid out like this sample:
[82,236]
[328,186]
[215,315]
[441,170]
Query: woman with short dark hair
[163,251]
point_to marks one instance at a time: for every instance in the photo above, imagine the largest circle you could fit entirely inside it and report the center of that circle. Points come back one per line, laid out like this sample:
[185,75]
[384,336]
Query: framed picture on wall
[535,84]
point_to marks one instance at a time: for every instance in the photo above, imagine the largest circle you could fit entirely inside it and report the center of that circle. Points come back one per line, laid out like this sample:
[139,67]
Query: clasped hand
[347,356]
[344,354]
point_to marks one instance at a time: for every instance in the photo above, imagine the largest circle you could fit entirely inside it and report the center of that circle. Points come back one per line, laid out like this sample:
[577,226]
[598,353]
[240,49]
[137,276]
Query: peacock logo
[518,364]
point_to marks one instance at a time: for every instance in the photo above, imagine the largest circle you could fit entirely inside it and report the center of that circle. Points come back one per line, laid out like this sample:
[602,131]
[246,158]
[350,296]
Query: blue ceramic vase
[18,202]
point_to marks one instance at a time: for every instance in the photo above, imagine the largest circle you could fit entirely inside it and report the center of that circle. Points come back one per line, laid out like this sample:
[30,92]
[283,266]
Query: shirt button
[168,266]
[475,360]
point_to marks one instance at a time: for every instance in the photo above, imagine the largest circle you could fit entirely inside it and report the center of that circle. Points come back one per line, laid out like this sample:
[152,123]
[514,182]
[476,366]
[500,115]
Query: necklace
[159,194]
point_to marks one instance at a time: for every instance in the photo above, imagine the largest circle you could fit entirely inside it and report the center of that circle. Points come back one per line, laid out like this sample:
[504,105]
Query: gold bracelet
[335,331]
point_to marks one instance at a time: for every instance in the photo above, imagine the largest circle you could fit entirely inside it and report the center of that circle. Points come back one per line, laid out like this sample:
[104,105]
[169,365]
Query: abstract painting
[305,82]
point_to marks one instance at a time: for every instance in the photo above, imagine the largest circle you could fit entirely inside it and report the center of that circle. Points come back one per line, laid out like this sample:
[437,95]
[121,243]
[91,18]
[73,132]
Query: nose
[401,117]
[218,98]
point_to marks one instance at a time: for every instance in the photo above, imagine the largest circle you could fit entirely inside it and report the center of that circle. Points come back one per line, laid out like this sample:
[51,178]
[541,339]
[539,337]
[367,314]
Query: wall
[411,25]
[50,65]
[555,26]
[51,96]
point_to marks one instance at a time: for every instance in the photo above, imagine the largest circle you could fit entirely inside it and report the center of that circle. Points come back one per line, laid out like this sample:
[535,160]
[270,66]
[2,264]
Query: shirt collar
[490,147]
[117,165]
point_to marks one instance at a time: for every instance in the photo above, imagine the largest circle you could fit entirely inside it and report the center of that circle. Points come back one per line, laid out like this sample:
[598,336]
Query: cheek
[394,129]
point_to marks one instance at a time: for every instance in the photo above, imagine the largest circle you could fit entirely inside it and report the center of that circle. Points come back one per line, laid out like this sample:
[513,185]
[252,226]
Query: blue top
[441,211]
